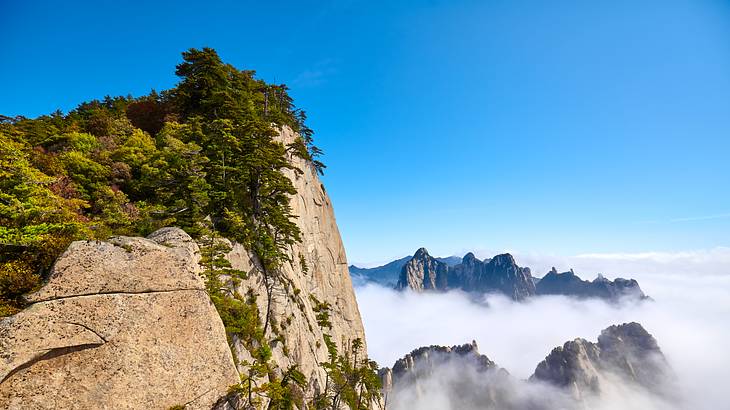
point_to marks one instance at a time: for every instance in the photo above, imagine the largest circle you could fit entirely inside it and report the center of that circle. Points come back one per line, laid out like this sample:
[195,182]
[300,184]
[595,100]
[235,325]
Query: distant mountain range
[500,274]
[388,274]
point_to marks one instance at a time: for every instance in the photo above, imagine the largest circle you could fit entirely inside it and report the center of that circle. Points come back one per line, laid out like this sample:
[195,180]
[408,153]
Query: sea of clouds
[690,318]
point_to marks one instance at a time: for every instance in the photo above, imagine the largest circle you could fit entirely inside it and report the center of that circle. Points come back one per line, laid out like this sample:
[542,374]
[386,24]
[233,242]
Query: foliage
[352,379]
[202,156]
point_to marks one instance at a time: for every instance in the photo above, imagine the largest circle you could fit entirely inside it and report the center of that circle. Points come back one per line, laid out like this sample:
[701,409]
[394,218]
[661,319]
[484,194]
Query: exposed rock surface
[318,269]
[389,273]
[127,323]
[499,274]
[626,352]
[423,272]
[426,359]
[124,324]
[457,372]
[626,360]
[569,284]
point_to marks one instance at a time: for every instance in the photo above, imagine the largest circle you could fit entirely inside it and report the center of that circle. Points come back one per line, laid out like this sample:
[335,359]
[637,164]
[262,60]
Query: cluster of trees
[202,156]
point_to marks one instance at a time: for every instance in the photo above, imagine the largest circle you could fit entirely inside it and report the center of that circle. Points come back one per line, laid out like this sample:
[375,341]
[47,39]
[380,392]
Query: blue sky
[560,127]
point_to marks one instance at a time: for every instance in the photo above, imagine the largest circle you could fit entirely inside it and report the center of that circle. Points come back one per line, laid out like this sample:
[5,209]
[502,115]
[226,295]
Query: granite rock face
[423,272]
[124,324]
[389,273]
[569,284]
[625,353]
[625,363]
[499,274]
[318,270]
[456,377]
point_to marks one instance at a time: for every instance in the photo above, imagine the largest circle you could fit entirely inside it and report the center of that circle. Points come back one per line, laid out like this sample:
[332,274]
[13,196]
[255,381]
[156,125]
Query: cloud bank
[690,318]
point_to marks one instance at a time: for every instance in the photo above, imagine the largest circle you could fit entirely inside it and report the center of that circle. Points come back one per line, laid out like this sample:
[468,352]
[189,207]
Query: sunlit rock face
[121,324]
[498,275]
[625,364]
[317,270]
[423,272]
[625,354]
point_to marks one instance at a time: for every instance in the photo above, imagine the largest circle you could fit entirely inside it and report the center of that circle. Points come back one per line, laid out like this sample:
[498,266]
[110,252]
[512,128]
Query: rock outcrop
[127,324]
[569,284]
[317,273]
[625,354]
[459,375]
[423,272]
[124,324]
[389,273]
[625,363]
[499,275]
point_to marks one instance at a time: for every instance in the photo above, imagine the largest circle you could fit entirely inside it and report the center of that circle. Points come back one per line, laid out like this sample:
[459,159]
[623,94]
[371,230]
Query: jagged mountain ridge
[569,284]
[389,273]
[571,377]
[499,274]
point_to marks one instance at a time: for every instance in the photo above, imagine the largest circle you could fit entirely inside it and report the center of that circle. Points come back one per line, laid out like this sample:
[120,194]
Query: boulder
[123,324]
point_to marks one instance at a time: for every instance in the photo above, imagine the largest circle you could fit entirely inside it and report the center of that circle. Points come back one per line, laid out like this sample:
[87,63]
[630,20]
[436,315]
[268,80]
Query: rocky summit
[424,272]
[569,284]
[626,359]
[626,353]
[499,274]
[468,378]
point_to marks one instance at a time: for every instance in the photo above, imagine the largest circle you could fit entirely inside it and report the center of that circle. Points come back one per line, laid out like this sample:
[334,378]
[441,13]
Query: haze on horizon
[551,128]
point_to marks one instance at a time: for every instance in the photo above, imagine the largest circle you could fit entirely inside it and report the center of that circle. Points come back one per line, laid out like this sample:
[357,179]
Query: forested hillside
[200,156]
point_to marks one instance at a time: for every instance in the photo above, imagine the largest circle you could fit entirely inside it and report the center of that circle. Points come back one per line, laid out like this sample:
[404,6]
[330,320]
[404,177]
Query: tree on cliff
[204,150]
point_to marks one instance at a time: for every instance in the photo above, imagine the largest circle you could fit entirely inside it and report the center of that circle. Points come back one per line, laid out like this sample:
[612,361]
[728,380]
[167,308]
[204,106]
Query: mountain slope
[626,361]
[499,274]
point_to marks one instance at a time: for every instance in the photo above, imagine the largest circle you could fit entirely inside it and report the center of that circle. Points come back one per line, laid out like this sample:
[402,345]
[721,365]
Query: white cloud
[690,319]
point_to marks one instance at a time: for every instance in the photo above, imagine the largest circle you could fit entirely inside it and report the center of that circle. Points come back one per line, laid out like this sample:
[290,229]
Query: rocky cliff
[423,272]
[625,353]
[460,373]
[569,284]
[124,324]
[317,274]
[499,274]
[578,375]
[128,323]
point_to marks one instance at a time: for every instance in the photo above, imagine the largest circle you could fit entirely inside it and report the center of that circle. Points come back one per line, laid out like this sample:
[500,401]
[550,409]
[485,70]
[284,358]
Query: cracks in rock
[51,354]
[59,351]
[143,292]
[200,395]
[89,329]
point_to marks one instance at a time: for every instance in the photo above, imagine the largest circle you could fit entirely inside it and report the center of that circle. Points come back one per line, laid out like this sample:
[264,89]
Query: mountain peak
[421,253]
[504,259]
[469,258]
